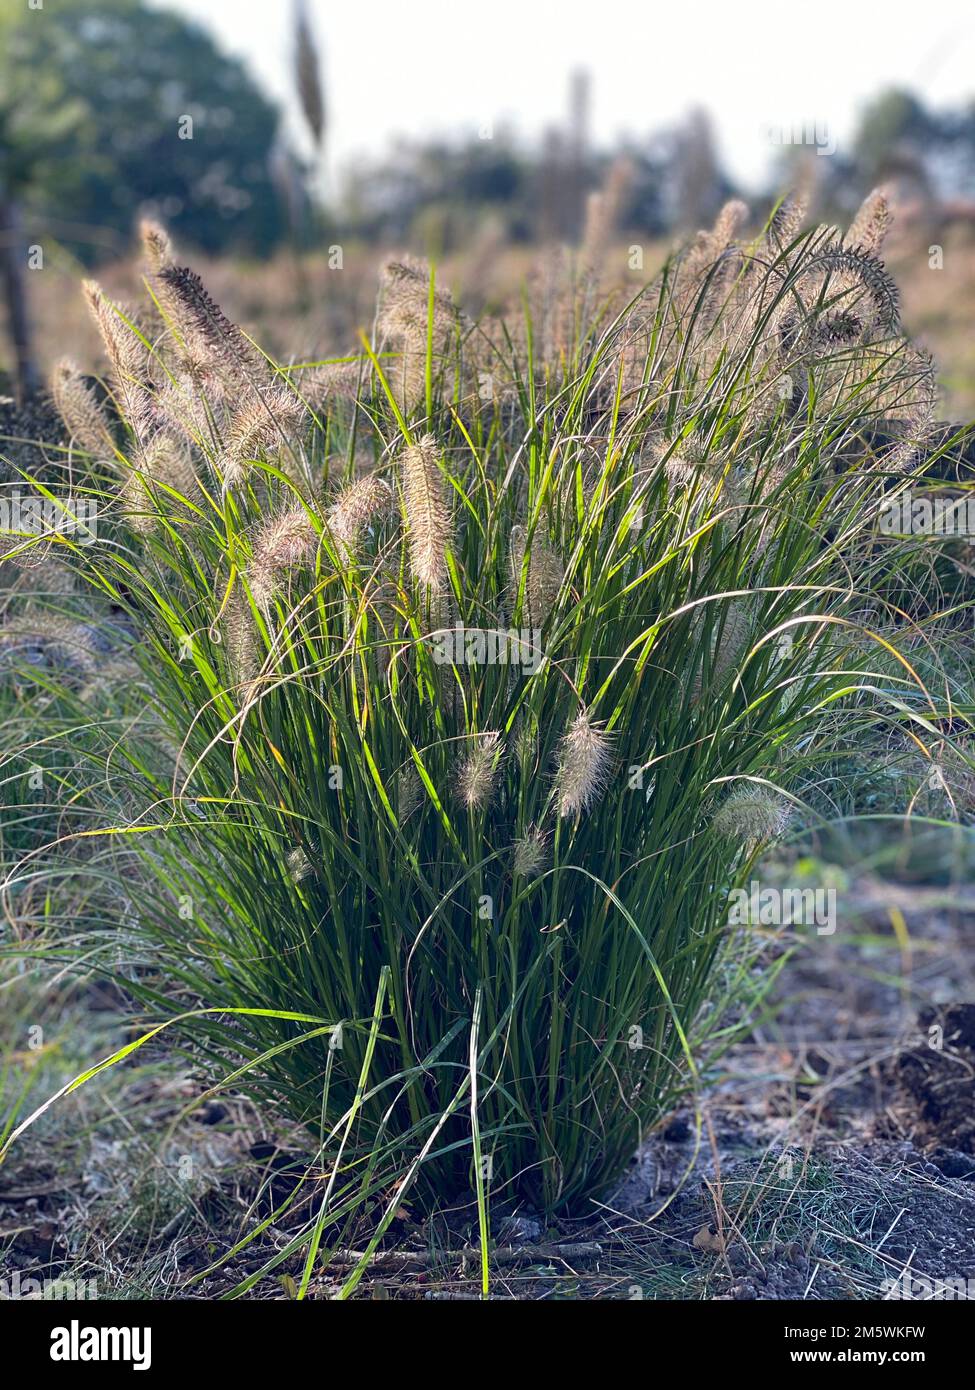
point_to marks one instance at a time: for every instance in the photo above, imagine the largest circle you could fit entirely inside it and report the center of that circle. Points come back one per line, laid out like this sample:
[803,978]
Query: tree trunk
[13,272]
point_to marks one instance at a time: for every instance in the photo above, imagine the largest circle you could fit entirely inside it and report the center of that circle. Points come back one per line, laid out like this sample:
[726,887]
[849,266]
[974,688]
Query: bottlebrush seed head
[80,409]
[531,853]
[288,541]
[427,513]
[479,772]
[584,767]
[126,352]
[354,508]
[751,816]
[264,423]
[868,230]
[545,575]
[156,245]
[167,459]
[201,323]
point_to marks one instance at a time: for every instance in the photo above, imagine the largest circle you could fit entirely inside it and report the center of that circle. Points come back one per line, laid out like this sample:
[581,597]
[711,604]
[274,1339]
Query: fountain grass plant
[468,674]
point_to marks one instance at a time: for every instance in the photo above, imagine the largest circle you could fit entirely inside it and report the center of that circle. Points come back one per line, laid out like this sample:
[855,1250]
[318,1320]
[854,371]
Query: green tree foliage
[894,134]
[108,107]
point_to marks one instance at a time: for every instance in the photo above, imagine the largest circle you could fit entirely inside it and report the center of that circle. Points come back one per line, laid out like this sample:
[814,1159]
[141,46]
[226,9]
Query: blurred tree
[700,187]
[108,108]
[36,121]
[449,185]
[900,138]
[894,121]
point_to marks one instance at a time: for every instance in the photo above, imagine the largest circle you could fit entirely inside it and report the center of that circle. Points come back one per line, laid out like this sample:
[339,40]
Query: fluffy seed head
[788,219]
[732,644]
[917,411]
[298,864]
[478,772]
[403,319]
[751,816]
[138,502]
[427,513]
[545,575]
[204,327]
[405,303]
[584,766]
[880,305]
[188,400]
[333,381]
[531,853]
[287,542]
[409,792]
[262,423]
[354,508]
[80,409]
[869,228]
[167,459]
[240,635]
[127,354]
[156,245]
[730,220]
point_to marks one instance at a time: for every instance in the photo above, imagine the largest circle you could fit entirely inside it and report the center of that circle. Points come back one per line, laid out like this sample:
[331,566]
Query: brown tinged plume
[127,354]
[869,228]
[918,415]
[858,266]
[260,425]
[285,543]
[404,321]
[163,458]
[79,408]
[405,303]
[729,222]
[787,220]
[189,400]
[354,508]
[428,515]
[240,640]
[332,381]
[308,74]
[156,246]
[205,329]
[167,459]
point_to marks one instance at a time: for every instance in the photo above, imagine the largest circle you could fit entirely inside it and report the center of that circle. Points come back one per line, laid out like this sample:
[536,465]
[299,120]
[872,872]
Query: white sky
[419,66]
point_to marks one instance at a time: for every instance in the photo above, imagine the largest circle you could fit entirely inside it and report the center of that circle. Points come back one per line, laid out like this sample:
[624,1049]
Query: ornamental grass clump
[462,913]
